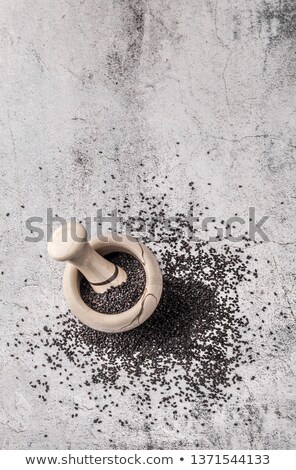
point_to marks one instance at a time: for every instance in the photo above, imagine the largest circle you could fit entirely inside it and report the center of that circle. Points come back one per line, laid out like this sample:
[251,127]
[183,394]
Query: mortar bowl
[131,318]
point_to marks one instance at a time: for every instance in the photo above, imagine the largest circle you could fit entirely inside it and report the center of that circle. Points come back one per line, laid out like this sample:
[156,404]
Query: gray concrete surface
[129,79]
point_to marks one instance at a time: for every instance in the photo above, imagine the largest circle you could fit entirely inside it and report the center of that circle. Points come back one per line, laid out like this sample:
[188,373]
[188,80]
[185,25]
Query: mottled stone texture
[94,87]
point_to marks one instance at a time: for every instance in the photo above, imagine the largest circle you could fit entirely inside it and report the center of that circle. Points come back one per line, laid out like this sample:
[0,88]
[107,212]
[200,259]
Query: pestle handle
[69,243]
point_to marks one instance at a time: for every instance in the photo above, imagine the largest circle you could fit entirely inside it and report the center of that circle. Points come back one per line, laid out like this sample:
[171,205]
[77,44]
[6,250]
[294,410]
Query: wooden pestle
[69,243]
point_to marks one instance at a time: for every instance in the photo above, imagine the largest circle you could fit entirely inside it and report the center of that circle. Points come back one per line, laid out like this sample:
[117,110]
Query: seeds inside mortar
[120,298]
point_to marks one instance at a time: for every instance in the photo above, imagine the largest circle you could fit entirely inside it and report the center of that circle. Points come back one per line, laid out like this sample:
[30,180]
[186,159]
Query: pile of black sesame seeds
[188,350]
[120,298]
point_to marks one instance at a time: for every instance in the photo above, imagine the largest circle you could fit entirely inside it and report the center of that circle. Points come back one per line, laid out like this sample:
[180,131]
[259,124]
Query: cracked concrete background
[90,88]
